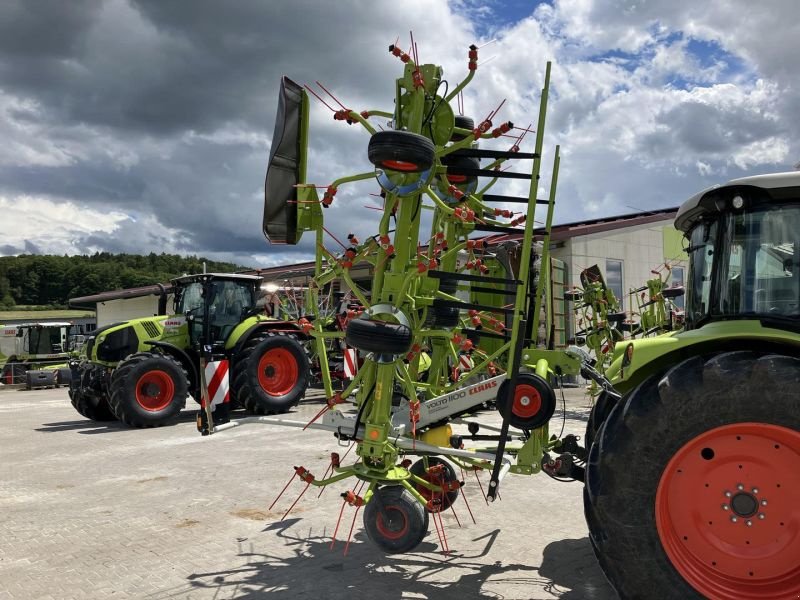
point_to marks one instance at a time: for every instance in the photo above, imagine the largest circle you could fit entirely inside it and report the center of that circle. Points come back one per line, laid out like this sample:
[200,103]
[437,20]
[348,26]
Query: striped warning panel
[350,363]
[218,382]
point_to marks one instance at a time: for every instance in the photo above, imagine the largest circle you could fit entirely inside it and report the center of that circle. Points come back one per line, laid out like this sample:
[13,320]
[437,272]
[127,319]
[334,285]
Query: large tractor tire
[89,401]
[148,389]
[394,520]
[692,488]
[271,374]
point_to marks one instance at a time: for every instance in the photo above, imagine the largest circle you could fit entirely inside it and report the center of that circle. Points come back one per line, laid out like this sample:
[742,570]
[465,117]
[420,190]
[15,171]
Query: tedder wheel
[446,316]
[378,336]
[439,472]
[271,374]
[455,162]
[394,520]
[692,487]
[462,122]
[401,151]
[533,401]
[148,389]
[87,400]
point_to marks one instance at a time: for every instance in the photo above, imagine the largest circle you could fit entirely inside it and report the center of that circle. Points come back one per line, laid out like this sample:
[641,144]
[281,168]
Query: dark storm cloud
[163,67]
[165,109]
[36,29]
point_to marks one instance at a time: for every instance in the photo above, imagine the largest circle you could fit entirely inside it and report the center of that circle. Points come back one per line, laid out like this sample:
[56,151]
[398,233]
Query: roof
[151,290]
[41,324]
[700,203]
[558,233]
[223,276]
[137,292]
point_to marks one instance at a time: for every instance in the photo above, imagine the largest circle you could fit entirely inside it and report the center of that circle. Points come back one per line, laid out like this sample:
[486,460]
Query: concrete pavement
[91,510]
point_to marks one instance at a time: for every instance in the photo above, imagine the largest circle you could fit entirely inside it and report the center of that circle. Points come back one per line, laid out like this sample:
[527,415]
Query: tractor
[692,450]
[692,485]
[29,346]
[141,371]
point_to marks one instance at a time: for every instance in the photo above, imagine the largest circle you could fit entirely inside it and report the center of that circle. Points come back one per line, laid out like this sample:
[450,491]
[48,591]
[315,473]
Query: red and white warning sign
[218,382]
[350,363]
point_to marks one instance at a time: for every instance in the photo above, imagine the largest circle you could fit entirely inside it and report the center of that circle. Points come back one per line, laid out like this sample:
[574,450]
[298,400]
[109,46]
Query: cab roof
[773,187]
[215,276]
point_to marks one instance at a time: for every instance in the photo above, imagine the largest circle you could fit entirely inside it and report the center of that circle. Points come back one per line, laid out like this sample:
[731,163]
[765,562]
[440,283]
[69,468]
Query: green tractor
[141,371]
[27,346]
[692,485]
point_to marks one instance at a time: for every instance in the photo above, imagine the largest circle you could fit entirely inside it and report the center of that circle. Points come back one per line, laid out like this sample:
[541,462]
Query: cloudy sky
[145,125]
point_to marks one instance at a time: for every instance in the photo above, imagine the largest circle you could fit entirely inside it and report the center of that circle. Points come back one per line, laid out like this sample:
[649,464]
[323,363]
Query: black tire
[148,389]
[454,162]
[528,415]
[658,421]
[272,373]
[598,415]
[616,318]
[462,122]
[446,316]
[87,394]
[673,292]
[394,520]
[401,151]
[378,336]
[448,475]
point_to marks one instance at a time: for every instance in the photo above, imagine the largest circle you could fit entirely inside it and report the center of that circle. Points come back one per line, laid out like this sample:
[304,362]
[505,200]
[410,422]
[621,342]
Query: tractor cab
[214,304]
[743,251]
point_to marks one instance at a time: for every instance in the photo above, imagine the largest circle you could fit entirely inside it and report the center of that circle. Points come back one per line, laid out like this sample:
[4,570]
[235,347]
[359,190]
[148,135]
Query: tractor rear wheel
[272,373]
[148,389]
[692,486]
[85,397]
[394,520]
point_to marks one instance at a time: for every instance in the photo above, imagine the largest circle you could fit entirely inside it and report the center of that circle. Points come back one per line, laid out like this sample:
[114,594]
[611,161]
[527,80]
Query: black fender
[283,326]
[189,363]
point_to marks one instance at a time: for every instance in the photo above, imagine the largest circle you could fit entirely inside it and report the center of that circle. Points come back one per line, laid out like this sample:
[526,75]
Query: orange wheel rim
[527,401]
[728,512]
[155,390]
[392,523]
[277,372]
[400,165]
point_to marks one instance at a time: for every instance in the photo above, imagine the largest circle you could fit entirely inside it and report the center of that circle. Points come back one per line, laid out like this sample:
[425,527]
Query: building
[626,248]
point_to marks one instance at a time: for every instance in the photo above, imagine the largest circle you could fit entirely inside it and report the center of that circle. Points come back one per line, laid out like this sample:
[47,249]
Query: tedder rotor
[453,315]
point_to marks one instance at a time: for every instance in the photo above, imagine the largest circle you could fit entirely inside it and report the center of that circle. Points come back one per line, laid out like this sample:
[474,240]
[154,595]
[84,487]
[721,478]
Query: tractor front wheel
[87,393]
[394,520]
[272,374]
[692,486]
[148,389]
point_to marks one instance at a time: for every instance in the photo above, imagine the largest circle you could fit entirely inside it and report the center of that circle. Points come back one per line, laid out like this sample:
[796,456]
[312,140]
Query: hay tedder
[474,285]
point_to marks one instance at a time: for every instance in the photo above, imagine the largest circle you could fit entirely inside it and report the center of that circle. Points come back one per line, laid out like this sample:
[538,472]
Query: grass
[37,315]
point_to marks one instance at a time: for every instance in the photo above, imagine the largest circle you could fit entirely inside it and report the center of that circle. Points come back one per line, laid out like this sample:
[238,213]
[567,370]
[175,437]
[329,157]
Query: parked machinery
[27,346]
[454,296]
[691,485]
[141,371]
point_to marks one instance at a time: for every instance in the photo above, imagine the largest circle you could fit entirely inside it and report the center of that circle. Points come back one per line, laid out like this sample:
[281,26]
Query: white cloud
[651,101]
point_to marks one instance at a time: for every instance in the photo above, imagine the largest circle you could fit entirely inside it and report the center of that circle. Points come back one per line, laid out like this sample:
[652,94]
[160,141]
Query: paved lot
[95,511]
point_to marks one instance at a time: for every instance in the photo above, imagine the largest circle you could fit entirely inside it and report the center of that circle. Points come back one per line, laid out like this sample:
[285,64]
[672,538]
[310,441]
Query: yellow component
[439,436]
[424,362]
